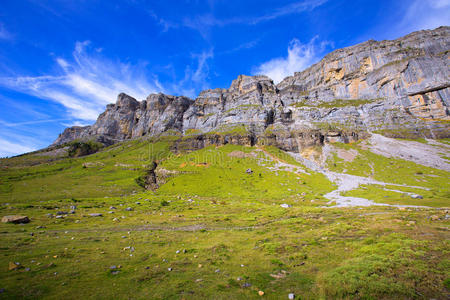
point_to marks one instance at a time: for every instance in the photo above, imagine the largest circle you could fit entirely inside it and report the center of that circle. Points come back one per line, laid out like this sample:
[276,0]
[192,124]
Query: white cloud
[423,14]
[204,22]
[85,83]
[196,75]
[4,34]
[8,148]
[300,56]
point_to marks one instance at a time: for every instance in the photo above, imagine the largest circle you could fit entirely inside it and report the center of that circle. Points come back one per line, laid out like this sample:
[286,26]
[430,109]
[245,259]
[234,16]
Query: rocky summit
[399,88]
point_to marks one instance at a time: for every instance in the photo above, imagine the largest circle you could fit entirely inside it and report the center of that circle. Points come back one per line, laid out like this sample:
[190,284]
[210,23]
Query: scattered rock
[416,196]
[112,207]
[291,296]
[169,269]
[14,266]
[128,209]
[217,271]
[434,218]
[249,171]
[261,293]
[96,215]
[246,285]
[15,219]
[284,205]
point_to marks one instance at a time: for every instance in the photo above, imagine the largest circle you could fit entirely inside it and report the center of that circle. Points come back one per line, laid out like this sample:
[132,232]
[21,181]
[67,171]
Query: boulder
[15,219]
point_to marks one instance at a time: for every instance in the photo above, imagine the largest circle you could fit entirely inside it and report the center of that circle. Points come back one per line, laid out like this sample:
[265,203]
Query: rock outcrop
[399,88]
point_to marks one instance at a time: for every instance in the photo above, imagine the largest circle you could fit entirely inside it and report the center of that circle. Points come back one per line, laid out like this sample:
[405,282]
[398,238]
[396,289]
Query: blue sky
[62,61]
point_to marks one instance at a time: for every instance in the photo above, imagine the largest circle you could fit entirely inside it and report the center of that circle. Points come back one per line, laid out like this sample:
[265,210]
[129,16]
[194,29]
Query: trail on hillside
[344,182]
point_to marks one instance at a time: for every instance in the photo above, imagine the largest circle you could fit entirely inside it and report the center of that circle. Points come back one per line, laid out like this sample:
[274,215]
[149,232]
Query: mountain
[398,88]
[196,200]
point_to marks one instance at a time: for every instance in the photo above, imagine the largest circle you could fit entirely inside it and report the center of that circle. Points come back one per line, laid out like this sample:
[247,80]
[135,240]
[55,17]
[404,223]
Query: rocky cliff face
[400,88]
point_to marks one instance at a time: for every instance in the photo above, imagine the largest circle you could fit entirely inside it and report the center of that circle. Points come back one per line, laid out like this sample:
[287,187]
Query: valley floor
[233,222]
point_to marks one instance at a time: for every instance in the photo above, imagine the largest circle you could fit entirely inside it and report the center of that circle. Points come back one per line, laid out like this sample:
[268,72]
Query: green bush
[79,148]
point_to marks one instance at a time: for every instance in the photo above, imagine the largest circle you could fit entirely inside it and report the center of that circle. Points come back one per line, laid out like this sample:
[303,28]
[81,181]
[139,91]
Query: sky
[62,62]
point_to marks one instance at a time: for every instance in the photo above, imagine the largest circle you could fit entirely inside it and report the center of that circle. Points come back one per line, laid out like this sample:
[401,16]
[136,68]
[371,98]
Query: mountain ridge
[399,88]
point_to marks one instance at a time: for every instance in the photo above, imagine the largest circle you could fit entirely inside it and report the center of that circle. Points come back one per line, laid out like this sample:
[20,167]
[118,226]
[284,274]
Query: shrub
[79,148]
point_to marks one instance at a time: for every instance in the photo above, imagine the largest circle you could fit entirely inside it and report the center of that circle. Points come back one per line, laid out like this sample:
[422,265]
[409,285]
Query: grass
[212,224]
[435,198]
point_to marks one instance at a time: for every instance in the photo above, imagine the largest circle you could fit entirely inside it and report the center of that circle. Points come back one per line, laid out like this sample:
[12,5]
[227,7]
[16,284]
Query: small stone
[249,171]
[110,212]
[198,280]
[112,207]
[113,267]
[115,272]
[200,265]
[239,278]
[217,271]
[261,293]
[284,205]
[291,296]
[96,215]
[59,217]
[434,218]
[242,266]
[416,196]
[169,269]
[27,269]
[15,219]
[138,203]
[128,209]
[14,266]
[246,285]
[178,251]
[73,207]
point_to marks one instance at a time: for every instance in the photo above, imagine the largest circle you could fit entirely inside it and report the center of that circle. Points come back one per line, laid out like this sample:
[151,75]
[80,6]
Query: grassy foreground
[210,231]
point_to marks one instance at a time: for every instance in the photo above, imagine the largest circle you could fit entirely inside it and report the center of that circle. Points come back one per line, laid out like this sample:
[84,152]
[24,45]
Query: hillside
[332,184]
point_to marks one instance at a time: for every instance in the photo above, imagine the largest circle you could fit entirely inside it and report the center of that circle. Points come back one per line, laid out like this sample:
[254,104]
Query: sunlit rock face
[400,88]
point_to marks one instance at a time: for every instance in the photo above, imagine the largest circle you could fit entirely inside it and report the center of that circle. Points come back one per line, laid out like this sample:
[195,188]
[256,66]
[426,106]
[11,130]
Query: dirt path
[346,182]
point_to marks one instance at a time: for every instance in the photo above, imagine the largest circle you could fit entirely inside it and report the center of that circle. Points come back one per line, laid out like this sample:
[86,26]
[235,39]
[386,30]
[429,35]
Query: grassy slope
[233,218]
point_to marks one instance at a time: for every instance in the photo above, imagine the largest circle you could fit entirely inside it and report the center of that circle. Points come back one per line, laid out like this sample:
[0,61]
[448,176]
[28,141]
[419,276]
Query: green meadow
[215,227]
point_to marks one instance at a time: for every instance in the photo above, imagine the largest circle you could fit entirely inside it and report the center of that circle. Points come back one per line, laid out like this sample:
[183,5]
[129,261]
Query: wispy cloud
[423,14]
[196,76]
[204,22]
[299,57]
[4,34]
[85,83]
[16,124]
[8,148]
[243,46]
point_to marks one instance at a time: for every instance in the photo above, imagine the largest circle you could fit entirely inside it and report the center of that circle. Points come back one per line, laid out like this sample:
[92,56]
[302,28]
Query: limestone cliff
[399,88]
